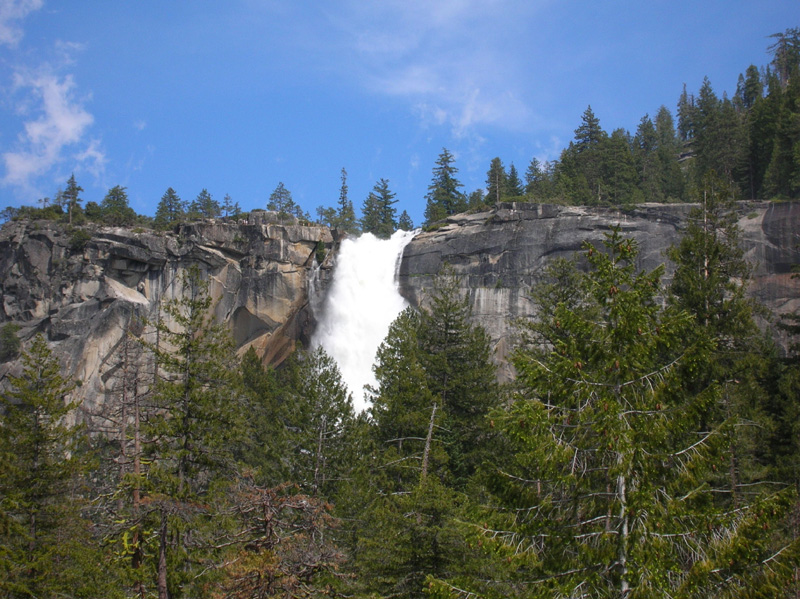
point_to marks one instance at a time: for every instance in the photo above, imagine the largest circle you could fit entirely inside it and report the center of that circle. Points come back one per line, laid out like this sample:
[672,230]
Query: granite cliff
[500,254]
[82,288]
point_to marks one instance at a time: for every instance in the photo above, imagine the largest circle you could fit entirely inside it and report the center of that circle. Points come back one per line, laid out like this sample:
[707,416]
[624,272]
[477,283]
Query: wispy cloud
[11,12]
[56,122]
[448,58]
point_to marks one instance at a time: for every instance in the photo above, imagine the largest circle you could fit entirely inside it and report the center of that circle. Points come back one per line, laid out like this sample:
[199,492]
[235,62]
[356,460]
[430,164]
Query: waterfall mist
[362,302]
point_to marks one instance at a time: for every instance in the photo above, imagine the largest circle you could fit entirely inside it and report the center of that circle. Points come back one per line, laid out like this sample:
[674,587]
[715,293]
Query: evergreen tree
[710,282]
[204,206]
[496,182]
[197,422]
[589,134]
[345,214]
[782,176]
[115,209]
[320,415]
[618,182]
[169,212]
[266,447]
[280,201]
[456,356]
[687,116]
[229,208]
[671,178]
[786,54]
[603,494]
[444,196]
[404,223]
[401,405]
[9,342]
[513,183]
[646,144]
[71,197]
[47,545]
[378,212]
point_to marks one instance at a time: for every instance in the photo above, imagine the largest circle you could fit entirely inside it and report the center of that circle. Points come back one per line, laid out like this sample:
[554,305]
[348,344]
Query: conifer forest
[648,445]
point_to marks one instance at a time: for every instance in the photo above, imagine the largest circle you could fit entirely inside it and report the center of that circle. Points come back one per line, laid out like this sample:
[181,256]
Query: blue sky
[237,96]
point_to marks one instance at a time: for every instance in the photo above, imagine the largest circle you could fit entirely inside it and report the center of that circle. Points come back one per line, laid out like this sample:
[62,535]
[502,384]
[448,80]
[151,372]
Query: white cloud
[93,159]
[62,123]
[12,11]
[450,59]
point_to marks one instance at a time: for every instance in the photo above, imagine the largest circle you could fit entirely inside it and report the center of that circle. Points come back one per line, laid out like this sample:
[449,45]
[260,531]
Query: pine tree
[645,153]
[496,182]
[401,405]
[320,415]
[47,546]
[204,206]
[378,212]
[345,214]
[280,201]
[602,493]
[404,223]
[115,209]
[71,197]
[444,196]
[671,178]
[687,116]
[513,183]
[197,422]
[617,184]
[229,208]
[455,354]
[169,212]
[710,283]
[266,448]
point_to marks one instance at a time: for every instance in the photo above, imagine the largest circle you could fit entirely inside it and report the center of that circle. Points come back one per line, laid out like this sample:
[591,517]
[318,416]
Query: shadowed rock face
[82,296]
[500,254]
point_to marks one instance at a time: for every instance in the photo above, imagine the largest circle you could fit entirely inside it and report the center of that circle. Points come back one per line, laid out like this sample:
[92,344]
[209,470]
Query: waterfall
[362,302]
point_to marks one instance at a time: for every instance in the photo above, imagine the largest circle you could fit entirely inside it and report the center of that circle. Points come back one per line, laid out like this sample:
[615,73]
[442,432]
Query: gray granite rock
[500,254]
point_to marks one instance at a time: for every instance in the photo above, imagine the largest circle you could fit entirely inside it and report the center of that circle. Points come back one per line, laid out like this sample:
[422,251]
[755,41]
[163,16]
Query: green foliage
[343,217]
[204,206]
[9,341]
[601,488]
[169,212]
[444,196]
[229,208]
[404,223]
[197,422]
[378,211]
[115,209]
[47,545]
[280,201]
[70,198]
[78,238]
[319,418]
[496,182]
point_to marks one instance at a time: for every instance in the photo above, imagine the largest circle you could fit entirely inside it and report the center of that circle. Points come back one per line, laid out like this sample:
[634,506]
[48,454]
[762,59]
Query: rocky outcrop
[81,288]
[499,255]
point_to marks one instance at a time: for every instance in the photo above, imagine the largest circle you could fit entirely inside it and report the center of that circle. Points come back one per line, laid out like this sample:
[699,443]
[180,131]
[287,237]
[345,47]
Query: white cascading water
[362,302]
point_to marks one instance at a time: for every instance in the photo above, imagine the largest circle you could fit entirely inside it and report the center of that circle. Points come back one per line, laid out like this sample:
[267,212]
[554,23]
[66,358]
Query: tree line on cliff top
[749,139]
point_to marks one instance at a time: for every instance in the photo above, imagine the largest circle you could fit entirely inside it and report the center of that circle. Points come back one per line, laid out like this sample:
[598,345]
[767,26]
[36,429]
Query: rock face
[500,254]
[82,290]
